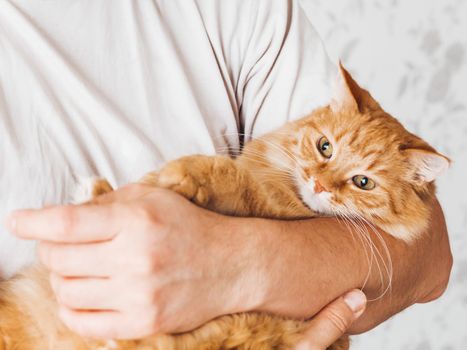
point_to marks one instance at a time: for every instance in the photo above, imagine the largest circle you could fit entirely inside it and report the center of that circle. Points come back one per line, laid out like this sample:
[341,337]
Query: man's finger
[80,260]
[66,224]
[333,321]
[92,324]
[106,324]
[85,293]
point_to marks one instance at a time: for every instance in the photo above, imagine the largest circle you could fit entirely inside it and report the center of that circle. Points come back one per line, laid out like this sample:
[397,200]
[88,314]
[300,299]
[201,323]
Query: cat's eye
[363,182]
[325,147]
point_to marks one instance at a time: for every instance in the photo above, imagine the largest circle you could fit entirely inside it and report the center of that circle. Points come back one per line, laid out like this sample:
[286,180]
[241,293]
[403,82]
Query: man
[118,88]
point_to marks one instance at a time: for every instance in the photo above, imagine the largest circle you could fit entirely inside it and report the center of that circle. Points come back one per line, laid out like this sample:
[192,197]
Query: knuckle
[68,319]
[145,323]
[136,188]
[43,252]
[65,295]
[143,215]
[146,297]
[70,298]
[67,219]
[163,193]
[154,322]
[145,264]
[54,259]
[337,319]
[148,238]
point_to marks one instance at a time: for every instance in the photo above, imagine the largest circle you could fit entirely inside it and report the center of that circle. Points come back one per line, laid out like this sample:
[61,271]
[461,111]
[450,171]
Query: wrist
[289,268]
[241,257]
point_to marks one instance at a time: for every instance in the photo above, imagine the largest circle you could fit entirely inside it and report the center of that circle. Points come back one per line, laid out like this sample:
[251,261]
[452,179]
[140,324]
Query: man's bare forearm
[303,265]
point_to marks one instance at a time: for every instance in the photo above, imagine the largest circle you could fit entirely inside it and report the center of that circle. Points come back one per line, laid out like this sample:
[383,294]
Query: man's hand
[137,261]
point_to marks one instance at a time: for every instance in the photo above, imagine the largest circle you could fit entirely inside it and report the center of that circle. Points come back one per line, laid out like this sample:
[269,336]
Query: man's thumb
[333,321]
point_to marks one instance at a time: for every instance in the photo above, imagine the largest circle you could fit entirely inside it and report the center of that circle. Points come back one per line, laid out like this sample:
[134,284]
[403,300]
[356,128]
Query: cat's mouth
[319,202]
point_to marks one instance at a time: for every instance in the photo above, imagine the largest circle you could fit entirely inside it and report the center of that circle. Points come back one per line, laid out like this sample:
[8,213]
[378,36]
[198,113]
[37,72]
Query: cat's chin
[320,203]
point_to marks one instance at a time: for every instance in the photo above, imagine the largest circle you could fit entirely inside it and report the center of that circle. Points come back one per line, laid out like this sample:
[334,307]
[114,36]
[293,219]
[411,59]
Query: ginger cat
[349,159]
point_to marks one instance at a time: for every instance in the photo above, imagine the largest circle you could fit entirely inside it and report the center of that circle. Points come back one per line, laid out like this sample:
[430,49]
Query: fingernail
[10,222]
[356,301]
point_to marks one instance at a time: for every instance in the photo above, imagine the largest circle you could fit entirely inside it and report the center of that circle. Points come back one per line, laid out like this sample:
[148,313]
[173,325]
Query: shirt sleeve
[285,72]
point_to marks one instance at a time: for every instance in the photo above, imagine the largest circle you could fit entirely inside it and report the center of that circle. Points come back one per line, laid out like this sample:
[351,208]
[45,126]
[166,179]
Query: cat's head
[357,160]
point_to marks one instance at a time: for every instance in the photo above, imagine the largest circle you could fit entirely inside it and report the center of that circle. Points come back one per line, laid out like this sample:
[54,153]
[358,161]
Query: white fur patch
[318,202]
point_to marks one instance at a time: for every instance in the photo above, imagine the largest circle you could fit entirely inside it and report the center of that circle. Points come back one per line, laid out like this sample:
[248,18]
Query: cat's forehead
[363,129]
[373,140]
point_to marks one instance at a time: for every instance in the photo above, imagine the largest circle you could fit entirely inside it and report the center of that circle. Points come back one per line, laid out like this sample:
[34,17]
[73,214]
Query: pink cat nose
[319,188]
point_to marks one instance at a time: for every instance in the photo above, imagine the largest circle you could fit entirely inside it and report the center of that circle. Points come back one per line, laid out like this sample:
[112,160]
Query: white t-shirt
[116,88]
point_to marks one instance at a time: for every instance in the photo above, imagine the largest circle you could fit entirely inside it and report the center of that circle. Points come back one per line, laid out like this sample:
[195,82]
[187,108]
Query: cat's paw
[187,177]
[87,188]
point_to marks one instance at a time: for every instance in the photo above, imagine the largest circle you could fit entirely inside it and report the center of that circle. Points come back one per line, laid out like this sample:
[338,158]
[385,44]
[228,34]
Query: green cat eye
[325,147]
[363,182]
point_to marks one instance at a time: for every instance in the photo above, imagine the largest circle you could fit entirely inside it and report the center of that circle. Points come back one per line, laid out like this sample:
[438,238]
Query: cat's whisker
[286,174]
[283,167]
[375,254]
[275,176]
[288,170]
[364,233]
[388,267]
[231,151]
[347,221]
[340,215]
[269,169]
[357,220]
[237,150]
[259,159]
[383,242]
[291,156]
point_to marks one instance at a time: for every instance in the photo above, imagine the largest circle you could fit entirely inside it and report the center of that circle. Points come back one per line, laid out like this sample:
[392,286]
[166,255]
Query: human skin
[421,269]
[176,266]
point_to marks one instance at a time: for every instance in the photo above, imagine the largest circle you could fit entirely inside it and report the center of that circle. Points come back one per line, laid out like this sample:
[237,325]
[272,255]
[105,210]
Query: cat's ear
[348,95]
[428,165]
[343,98]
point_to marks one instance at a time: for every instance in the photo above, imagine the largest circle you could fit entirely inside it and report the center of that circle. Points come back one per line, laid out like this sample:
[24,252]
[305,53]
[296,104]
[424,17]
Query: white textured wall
[412,55]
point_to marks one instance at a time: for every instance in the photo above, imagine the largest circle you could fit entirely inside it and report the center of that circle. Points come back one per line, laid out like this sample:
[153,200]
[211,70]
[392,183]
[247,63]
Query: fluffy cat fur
[285,174]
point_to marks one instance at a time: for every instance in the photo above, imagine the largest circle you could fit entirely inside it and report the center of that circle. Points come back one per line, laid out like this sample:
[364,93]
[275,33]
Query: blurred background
[412,56]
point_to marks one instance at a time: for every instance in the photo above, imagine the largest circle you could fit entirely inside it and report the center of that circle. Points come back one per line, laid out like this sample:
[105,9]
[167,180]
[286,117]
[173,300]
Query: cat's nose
[319,188]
